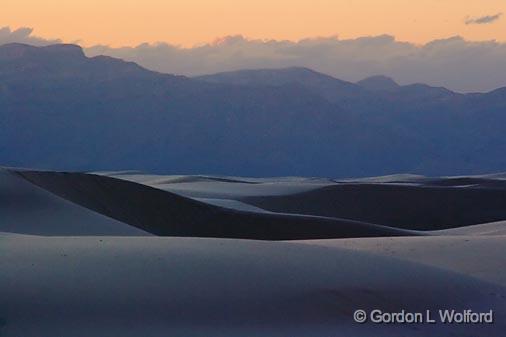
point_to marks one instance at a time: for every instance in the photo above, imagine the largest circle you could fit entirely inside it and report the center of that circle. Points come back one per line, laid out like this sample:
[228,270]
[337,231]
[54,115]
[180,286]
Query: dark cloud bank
[454,63]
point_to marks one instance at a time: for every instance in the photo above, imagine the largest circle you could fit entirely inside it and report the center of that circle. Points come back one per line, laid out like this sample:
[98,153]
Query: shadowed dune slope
[168,214]
[28,209]
[431,205]
[271,209]
[402,200]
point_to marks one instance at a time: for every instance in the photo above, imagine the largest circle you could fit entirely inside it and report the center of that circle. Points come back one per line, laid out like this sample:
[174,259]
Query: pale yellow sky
[190,22]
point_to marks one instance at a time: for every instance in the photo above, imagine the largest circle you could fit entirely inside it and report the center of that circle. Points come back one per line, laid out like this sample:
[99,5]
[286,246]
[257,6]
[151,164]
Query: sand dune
[491,228]
[84,274]
[431,205]
[213,287]
[404,201]
[274,208]
[478,256]
[26,208]
[168,214]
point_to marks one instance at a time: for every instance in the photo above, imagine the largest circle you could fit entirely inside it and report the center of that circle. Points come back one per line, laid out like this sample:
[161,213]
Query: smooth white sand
[477,256]
[111,286]
[491,228]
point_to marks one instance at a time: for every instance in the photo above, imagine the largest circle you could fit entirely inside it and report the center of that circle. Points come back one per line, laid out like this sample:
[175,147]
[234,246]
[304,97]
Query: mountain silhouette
[332,89]
[378,83]
[62,110]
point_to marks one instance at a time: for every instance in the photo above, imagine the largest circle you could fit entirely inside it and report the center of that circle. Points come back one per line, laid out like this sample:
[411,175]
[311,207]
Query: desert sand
[131,254]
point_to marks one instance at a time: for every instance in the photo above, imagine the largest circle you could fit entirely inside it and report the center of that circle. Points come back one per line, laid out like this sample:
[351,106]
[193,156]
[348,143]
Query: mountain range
[62,110]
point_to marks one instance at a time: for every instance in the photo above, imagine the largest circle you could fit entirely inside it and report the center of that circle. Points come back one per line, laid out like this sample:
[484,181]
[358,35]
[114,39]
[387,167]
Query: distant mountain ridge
[378,83]
[65,60]
[329,87]
[62,110]
[332,89]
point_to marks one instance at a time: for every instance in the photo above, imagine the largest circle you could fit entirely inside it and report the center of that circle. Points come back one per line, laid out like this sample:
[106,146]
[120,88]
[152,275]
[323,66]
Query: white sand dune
[166,213]
[84,274]
[91,286]
[478,256]
[491,228]
[225,187]
[26,208]
[403,200]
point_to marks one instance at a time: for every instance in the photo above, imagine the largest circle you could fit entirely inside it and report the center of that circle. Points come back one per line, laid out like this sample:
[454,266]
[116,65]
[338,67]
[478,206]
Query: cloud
[483,19]
[23,35]
[455,63]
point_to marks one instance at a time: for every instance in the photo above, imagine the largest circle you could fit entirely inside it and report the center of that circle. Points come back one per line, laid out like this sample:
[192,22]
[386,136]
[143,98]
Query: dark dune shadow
[28,209]
[168,214]
[435,204]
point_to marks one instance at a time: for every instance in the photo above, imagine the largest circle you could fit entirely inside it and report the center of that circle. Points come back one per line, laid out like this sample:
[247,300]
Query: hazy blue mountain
[366,94]
[331,88]
[378,83]
[62,110]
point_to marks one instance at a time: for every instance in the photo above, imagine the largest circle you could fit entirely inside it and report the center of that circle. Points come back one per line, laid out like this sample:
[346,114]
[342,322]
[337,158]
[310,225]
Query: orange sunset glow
[192,22]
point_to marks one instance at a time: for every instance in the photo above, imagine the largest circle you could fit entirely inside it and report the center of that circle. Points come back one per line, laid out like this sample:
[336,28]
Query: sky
[194,22]
[457,44]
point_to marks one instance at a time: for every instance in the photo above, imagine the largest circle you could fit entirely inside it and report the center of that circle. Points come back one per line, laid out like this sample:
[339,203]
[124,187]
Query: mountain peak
[66,61]
[378,83]
[328,87]
[17,50]
[253,76]
[65,49]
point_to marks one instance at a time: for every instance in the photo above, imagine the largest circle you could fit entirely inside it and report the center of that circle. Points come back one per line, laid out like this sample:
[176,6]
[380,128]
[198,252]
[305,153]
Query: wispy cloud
[481,20]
